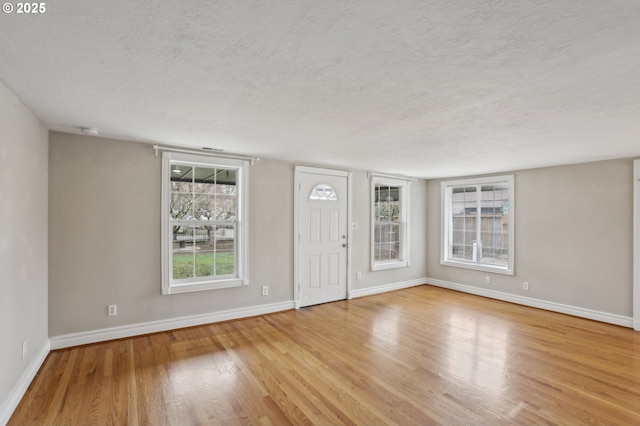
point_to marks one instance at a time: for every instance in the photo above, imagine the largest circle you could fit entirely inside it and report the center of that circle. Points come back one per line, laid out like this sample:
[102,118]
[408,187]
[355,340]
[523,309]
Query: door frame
[636,245]
[296,225]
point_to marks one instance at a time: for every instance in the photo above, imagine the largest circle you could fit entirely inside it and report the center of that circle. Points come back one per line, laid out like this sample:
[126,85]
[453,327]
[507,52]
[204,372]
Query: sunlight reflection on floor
[385,326]
[200,375]
[477,351]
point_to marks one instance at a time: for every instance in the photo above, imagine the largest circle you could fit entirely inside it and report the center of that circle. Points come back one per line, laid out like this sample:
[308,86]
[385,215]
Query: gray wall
[573,240]
[105,237]
[23,240]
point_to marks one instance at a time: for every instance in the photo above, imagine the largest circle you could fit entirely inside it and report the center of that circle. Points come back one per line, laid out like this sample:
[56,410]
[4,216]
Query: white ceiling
[427,89]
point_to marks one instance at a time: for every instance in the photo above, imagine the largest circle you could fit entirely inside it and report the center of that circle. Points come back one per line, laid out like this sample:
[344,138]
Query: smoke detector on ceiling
[90,131]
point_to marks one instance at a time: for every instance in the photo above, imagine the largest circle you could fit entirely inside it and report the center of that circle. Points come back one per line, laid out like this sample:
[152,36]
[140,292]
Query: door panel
[334,225]
[314,271]
[322,246]
[314,225]
[334,269]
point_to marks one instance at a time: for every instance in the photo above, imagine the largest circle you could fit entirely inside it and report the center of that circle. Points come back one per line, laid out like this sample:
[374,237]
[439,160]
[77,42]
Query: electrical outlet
[525,285]
[265,290]
[24,349]
[358,275]
[487,279]
[113,310]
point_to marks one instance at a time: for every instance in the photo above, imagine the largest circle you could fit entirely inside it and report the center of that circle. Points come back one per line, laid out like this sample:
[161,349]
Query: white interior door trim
[296,224]
[636,245]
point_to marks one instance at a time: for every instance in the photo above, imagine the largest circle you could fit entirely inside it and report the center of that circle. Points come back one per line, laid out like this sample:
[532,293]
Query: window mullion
[193,212]
[449,206]
[478,223]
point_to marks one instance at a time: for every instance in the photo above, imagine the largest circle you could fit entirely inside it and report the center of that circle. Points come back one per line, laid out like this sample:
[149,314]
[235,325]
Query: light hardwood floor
[423,355]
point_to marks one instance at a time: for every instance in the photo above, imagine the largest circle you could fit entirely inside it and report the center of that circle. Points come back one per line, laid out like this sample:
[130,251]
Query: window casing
[478,224]
[389,222]
[204,228]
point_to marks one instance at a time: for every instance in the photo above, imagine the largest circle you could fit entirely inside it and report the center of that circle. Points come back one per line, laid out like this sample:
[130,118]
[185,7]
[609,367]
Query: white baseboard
[536,303]
[85,337]
[20,388]
[386,288]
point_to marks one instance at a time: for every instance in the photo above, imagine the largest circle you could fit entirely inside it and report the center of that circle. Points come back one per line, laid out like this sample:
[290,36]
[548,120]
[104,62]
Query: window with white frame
[204,227]
[389,222]
[478,218]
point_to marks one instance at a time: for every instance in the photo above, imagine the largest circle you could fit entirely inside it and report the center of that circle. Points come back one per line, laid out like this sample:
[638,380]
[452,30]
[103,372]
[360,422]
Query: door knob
[345,245]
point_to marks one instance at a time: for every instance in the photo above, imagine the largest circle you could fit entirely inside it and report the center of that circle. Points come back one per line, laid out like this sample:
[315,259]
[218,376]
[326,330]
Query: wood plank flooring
[423,355]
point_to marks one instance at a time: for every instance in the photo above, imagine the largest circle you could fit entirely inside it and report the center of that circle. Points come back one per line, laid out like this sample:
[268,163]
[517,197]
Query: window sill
[478,267]
[201,286]
[389,265]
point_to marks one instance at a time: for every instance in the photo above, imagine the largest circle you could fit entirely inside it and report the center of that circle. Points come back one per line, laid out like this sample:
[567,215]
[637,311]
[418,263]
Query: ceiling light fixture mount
[90,131]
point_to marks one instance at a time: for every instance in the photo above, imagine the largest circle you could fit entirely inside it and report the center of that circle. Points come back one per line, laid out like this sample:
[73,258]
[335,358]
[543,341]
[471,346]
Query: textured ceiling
[427,89]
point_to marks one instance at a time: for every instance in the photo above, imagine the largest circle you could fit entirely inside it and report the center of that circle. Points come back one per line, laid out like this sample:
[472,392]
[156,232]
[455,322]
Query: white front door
[322,235]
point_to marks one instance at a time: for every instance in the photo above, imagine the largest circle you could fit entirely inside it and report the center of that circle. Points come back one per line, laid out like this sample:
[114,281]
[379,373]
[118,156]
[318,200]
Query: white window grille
[478,220]
[204,230]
